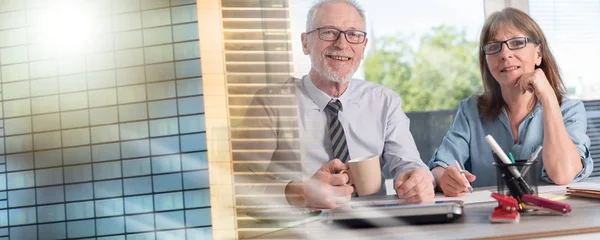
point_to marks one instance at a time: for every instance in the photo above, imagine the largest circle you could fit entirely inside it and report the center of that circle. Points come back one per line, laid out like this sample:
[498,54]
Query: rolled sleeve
[575,118]
[400,153]
[455,145]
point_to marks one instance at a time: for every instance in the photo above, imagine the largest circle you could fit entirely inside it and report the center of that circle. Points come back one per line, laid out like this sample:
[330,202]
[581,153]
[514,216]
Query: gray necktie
[336,132]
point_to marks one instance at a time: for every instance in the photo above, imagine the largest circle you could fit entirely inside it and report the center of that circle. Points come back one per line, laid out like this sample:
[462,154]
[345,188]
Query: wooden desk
[584,218]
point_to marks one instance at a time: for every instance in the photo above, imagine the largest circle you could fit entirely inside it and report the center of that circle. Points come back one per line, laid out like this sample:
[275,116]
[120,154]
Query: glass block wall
[102,117]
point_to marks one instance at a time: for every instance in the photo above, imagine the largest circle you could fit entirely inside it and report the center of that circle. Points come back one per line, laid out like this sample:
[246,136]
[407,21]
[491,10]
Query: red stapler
[506,211]
[545,203]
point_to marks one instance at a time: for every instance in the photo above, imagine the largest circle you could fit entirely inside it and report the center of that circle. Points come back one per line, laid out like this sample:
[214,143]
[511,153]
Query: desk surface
[584,218]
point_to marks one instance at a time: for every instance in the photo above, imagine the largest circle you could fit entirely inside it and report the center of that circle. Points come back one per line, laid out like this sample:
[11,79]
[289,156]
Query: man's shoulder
[281,93]
[375,89]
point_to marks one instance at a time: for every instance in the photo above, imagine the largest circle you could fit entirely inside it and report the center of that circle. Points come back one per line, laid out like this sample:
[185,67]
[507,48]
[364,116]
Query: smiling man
[338,118]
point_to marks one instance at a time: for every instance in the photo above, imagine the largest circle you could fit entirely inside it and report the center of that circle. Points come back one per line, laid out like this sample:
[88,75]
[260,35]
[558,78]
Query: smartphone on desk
[389,215]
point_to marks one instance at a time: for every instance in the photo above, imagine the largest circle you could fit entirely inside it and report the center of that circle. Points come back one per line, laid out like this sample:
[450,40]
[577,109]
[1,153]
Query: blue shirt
[465,141]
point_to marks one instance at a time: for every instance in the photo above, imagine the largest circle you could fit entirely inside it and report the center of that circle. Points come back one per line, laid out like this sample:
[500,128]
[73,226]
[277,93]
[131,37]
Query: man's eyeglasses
[512,44]
[333,34]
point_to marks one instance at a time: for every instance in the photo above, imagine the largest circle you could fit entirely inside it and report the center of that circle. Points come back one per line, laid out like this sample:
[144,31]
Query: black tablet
[386,215]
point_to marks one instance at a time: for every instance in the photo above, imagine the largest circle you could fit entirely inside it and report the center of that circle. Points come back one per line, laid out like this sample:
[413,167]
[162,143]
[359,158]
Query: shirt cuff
[276,189]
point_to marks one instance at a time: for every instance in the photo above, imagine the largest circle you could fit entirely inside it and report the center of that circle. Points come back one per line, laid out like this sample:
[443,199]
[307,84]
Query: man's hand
[326,189]
[416,186]
[453,183]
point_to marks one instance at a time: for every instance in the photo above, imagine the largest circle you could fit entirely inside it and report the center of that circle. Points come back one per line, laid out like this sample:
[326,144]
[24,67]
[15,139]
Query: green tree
[441,71]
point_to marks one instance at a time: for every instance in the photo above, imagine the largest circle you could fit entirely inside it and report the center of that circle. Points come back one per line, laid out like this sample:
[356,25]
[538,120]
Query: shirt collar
[320,98]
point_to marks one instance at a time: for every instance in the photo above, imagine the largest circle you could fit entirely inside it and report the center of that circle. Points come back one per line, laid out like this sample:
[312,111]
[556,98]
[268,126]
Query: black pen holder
[525,182]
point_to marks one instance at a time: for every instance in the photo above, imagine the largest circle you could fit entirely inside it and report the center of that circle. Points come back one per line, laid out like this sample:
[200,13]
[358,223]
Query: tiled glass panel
[109,207]
[139,204]
[50,176]
[21,143]
[134,130]
[51,213]
[20,180]
[106,152]
[190,124]
[140,185]
[158,17]
[166,145]
[150,4]
[71,65]
[15,72]
[72,101]
[76,137]
[108,226]
[52,231]
[75,119]
[185,32]
[46,104]
[127,21]
[173,234]
[78,173]
[15,90]
[164,108]
[188,87]
[197,217]
[105,115]
[136,148]
[130,94]
[72,83]
[42,69]
[24,232]
[169,182]
[49,158]
[161,90]
[169,220]
[184,14]
[77,155]
[136,167]
[129,39]
[19,198]
[107,133]
[47,140]
[160,72]
[17,108]
[168,201]
[160,35]
[80,210]
[19,216]
[139,223]
[102,97]
[164,164]
[197,179]
[158,54]
[132,112]
[84,228]
[77,192]
[193,142]
[46,122]
[101,79]
[128,76]
[50,195]
[162,127]
[189,68]
[197,198]
[46,86]
[130,57]
[187,50]
[17,162]
[111,188]
[194,161]
[107,170]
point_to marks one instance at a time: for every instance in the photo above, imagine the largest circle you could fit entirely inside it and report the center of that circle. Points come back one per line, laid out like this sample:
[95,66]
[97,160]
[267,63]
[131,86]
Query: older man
[338,118]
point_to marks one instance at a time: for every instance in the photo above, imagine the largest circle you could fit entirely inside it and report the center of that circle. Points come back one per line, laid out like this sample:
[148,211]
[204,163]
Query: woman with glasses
[522,106]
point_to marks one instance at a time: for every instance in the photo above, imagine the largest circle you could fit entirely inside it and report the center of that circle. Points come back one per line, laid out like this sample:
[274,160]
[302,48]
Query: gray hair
[312,13]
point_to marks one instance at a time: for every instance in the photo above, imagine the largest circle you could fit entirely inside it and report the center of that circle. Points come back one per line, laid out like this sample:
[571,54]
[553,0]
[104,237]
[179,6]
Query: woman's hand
[453,183]
[537,83]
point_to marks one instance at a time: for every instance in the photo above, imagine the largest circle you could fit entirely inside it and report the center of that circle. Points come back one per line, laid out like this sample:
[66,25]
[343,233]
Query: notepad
[590,191]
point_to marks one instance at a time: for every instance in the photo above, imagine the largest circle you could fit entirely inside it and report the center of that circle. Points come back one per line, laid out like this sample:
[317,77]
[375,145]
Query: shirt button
[520,143]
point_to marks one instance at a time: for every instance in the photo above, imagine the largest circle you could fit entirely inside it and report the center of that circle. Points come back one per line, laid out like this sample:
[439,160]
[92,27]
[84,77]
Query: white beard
[329,73]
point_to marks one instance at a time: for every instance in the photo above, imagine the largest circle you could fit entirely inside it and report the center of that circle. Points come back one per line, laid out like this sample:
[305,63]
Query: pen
[501,155]
[533,156]
[462,172]
[510,156]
